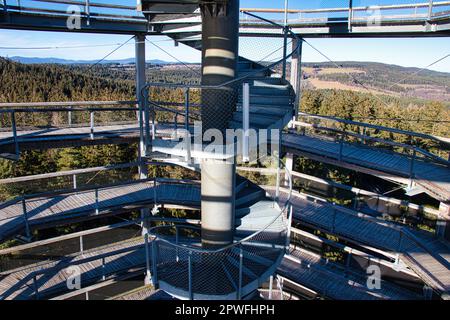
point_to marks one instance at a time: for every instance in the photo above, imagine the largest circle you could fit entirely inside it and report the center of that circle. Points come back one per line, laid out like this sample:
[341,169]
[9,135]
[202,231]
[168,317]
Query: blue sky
[414,52]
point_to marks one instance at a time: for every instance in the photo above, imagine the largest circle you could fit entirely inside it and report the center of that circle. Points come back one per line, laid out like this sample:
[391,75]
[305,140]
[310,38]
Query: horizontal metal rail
[68,173]
[441,140]
[356,191]
[363,137]
[346,9]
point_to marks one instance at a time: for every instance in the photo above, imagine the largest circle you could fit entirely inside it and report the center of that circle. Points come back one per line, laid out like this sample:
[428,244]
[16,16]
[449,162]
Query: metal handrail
[414,148]
[403,232]
[345,9]
[441,140]
[283,209]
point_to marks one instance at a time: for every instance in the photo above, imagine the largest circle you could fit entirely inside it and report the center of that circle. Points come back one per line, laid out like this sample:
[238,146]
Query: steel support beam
[218,202]
[142,150]
[220,43]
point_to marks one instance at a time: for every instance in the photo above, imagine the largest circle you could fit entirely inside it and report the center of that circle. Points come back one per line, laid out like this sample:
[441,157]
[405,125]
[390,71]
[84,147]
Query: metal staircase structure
[262,99]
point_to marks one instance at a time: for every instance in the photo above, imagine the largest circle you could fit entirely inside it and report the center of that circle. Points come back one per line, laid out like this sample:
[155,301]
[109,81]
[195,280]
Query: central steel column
[220,39]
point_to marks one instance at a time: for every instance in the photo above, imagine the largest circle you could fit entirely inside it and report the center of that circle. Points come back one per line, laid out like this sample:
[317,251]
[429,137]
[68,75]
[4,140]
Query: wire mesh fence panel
[111,236]
[67,182]
[67,248]
[41,254]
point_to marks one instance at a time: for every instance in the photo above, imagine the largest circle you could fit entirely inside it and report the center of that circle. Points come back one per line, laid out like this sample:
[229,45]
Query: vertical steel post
[349,259]
[88,12]
[186,106]
[154,264]
[148,275]
[74,179]
[241,266]
[285,30]
[430,10]
[5,6]
[296,74]
[270,287]
[246,122]
[148,137]
[143,113]
[36,287]
[411,169]
[355,201]
[186,126]
[14,129]
[350,15]
[69,117]
[81,245]
[176,242]
[96,202]
[92,124]
[103,269]
[25,216]
[288,238]
[283,74]
[191,295]
[278,182]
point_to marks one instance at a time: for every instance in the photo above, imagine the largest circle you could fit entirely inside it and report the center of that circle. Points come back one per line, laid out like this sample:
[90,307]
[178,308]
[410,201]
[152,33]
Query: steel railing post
[191,295]
[176,242]
[283,75]
[148,275]
[288,237]
[96,202]
[241,266]
[430,10]
[103,269]
[278,178]
[88,12]
[25,216]
[14,129]
[285,31]
[349,258]
[74,180]
[350,15]
[270,287]
[92,124]
[154,264]
[411,169]
[356,201]
[246,122]
[146,118]
[36,287]
[186,105]
[81,245]
[187,134]
[69,117]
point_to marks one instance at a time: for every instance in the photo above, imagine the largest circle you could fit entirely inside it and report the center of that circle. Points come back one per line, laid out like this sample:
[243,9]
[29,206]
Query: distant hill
[51,60]
[379,78]
[52,82]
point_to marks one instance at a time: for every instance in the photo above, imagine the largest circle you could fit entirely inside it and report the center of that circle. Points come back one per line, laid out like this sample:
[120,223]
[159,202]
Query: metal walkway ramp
[427,256]
[433,177]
